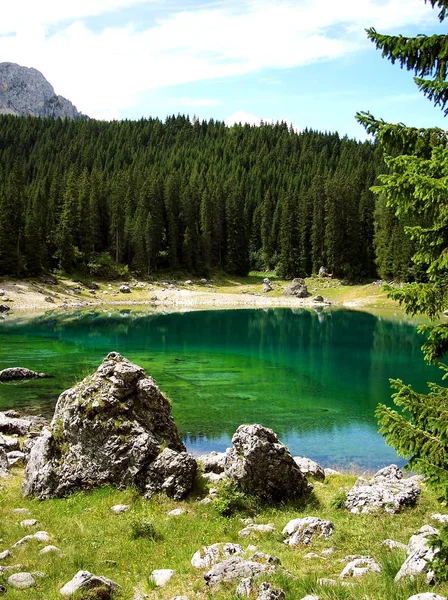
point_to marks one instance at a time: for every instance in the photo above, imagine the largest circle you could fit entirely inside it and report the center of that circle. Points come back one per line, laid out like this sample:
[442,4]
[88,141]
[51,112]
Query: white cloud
[195,102]
[107,71]
[241,116]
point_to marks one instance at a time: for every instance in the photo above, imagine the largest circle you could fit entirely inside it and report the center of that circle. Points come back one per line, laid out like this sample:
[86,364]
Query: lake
[314,377]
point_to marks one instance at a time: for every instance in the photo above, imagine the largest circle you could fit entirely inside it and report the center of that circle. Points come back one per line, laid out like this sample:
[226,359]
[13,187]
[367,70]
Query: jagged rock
[210,555]
[21,581]
[386,490]
[323,272]
[261,465]
[4,464]
[84,580]
[125,289]
[110,429]
[419,555]
[14,373]
[255,528]
[266,592]
[266,287]
[213,462]
[310,468]
[301,531]
[427,596]
[161,576]
[26,92]
[297,288]
[235,568]
[245,587]
[120,508]
[359,567]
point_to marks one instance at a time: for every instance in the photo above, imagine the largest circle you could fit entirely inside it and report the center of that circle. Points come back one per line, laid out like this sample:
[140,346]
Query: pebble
[119,508]
[51,550]
[28,523]
[5,554]
[161,576]
[176,512]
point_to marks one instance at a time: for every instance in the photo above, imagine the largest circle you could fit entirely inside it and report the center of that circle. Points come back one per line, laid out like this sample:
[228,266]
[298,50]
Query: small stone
[391,544]
[266,592]
[51,550]
[210,555]
[427,596]
[188,282]
[264,558]
[301,531]
[311,555]
[119,508]
[360,567]
[440,518]
[161,576]
[5,554]
[84,580]
[176,512]
[125,289]
[254,528]
[21,581]
[312,597]
[41,536]
[327,551]
[21,511]
[28,523]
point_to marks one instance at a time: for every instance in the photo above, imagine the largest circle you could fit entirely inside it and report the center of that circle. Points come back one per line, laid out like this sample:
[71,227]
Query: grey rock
[28,523]
[297,288]
[9,443]
[440,518]
[310,468]
[16,458]
[213,462]
[301,531]
[323,272]
[266,592]
[392,544]
[21,581]
[419,555]
[318,298]
[359,567]
[26,92]
[84,580]
[256,528]
[386,491]
[40,536]
[261,465]
[13,425]
[125,289]
[161,576]
[266,559]
[177,512]
[4,464]
[427,596]
[311,597]
[172,473]
[5,554]
[15,373]
[110,429]
[120,508]
[213,477]
[329,472]
[266,287]
[188,282]
[50,550]
[210,555]
[245,587]
[235,568]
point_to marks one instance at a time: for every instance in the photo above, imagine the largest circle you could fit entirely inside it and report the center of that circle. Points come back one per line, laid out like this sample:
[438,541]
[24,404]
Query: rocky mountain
[25,91]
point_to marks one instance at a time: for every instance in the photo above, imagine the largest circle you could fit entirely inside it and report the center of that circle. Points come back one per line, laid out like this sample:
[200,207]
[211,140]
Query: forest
[191,195]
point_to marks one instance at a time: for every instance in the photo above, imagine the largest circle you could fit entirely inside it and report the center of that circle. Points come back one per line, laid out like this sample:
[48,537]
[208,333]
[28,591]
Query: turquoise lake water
[315,378]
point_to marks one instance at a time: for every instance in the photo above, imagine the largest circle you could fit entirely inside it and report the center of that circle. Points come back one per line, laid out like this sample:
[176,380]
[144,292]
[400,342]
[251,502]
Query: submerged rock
[261,465]
[386,490]
[114,427]
[15,373]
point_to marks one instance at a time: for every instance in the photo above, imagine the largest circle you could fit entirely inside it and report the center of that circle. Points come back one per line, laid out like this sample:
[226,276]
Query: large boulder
[386,491]
[236,568]
[114,427]
[297,288]
[261,465]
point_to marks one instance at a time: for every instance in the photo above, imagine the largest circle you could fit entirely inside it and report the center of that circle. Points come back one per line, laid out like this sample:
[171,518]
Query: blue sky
[306,62]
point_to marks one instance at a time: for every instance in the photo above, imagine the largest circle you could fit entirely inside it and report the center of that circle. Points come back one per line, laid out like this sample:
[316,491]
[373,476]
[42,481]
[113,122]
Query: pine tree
[416,187]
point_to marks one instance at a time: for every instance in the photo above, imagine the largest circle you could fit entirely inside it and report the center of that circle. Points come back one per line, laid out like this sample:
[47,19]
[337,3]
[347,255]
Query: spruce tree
[416,187]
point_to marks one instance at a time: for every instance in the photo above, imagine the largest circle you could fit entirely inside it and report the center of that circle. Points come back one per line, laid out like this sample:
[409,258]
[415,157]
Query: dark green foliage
[142,527]
[416,191]
[440,562]
[230,500]
[339,499]
[182,195]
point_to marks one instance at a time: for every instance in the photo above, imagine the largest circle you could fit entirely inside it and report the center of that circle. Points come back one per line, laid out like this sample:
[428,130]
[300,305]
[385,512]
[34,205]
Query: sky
[306,62]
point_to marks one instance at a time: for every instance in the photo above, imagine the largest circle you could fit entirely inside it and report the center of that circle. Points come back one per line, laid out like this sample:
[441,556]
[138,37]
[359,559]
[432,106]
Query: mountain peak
[25,92]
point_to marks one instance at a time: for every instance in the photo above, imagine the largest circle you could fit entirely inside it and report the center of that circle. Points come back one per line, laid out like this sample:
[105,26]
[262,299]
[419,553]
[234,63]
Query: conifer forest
[184,194]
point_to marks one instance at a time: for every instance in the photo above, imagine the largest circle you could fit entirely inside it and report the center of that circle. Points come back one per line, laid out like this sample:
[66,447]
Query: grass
[93,538]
